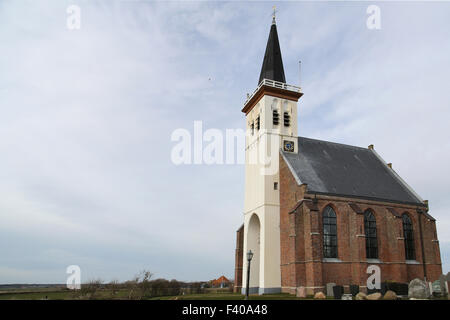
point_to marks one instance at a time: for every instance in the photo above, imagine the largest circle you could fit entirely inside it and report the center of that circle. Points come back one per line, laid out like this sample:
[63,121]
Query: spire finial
[273,14]
[272,67]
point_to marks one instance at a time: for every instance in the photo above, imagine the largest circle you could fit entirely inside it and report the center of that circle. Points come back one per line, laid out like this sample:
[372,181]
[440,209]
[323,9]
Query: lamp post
[249,258]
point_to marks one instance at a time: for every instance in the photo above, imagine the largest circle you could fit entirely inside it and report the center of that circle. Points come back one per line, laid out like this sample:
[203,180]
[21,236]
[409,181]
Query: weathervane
[273,14]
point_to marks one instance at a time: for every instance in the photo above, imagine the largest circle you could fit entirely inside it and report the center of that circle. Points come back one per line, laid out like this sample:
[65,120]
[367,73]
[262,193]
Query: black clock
[288,146]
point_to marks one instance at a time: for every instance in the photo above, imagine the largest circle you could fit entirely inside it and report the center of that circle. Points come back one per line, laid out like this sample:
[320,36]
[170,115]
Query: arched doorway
[253,243]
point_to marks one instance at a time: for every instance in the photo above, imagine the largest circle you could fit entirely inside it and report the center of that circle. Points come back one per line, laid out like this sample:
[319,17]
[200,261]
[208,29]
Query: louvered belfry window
[276,117]
[287,119]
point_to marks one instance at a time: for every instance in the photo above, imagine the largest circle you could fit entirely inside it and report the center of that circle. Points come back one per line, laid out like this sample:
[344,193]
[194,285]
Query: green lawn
[106,294]
[62,294]
[228,296]
[51,295]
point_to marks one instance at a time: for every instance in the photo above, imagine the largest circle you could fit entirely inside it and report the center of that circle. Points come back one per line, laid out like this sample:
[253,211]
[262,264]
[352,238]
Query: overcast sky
[86,118]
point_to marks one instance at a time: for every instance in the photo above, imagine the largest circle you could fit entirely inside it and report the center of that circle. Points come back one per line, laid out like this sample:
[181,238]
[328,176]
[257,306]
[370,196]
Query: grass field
[230,296]
[123,294]
[63,294]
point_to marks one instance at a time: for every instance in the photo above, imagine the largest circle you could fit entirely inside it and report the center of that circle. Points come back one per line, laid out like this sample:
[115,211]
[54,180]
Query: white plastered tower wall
[262,197]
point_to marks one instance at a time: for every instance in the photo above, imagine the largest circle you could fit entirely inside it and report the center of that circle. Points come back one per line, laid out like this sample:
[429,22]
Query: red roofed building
[221,282]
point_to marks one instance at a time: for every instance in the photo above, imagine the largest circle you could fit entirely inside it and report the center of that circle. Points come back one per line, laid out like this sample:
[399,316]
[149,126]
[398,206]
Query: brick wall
[291,230]
[301,239]
[238,259]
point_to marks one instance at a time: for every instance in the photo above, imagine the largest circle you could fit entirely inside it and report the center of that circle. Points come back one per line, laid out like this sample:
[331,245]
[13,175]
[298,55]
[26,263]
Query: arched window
[329,233]
[408,234]
[370,229]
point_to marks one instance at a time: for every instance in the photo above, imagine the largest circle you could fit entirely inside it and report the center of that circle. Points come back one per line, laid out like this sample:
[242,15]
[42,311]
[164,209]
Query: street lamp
[249,258]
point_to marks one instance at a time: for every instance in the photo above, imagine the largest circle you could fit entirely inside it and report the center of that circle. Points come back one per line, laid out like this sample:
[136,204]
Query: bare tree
[133,286]
[145,285]
[90,289]
[140,286]
[114,287]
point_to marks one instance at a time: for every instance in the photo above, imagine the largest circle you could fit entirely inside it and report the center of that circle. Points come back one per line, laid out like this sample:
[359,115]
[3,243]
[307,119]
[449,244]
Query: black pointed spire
[272,67]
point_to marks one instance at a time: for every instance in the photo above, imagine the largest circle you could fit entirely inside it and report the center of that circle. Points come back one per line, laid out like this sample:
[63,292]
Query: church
[321,212]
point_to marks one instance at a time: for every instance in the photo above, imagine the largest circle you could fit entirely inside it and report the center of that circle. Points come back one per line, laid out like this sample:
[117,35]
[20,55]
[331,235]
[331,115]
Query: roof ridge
[331,142]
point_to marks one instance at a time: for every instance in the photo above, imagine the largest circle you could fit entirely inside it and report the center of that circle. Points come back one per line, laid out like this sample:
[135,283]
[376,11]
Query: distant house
[221,282]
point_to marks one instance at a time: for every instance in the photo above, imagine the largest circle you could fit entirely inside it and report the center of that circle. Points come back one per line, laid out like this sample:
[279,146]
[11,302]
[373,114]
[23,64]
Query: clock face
[288,146]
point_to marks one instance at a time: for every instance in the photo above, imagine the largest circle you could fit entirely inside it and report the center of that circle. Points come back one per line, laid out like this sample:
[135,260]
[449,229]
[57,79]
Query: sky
[86,118]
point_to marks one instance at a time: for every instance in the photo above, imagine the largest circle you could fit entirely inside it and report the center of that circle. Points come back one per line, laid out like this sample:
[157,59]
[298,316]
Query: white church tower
[271,123]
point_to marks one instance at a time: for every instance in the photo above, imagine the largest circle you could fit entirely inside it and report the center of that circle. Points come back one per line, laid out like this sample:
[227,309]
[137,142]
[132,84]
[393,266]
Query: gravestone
[370,291]
[401,289]
[390,295]
[319,295]
[436,288]
[374,296]
[384,288]
[347,296]
[338,291]
[418,289]
[354,289]
[301,292]
[444,289]
[330,289]
[361,296]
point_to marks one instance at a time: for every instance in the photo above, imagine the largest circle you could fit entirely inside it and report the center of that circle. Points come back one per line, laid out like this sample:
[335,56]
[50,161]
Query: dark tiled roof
[272,67]
[338,169]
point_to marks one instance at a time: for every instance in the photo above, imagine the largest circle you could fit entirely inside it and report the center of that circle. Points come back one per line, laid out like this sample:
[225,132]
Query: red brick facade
[238,259]
[302,262]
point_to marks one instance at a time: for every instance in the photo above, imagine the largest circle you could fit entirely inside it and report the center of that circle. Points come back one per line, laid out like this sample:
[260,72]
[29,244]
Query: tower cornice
[274,89]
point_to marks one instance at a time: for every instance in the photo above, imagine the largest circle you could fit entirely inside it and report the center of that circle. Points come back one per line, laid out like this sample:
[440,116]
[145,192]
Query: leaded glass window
[370,229]
[329,233]
[408,234]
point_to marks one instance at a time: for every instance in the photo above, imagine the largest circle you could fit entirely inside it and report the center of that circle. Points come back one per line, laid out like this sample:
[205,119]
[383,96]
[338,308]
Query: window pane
[373,253]
[408,234]
[333,241]
[333,252]
[333,229]
[329,233]
[370,230]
